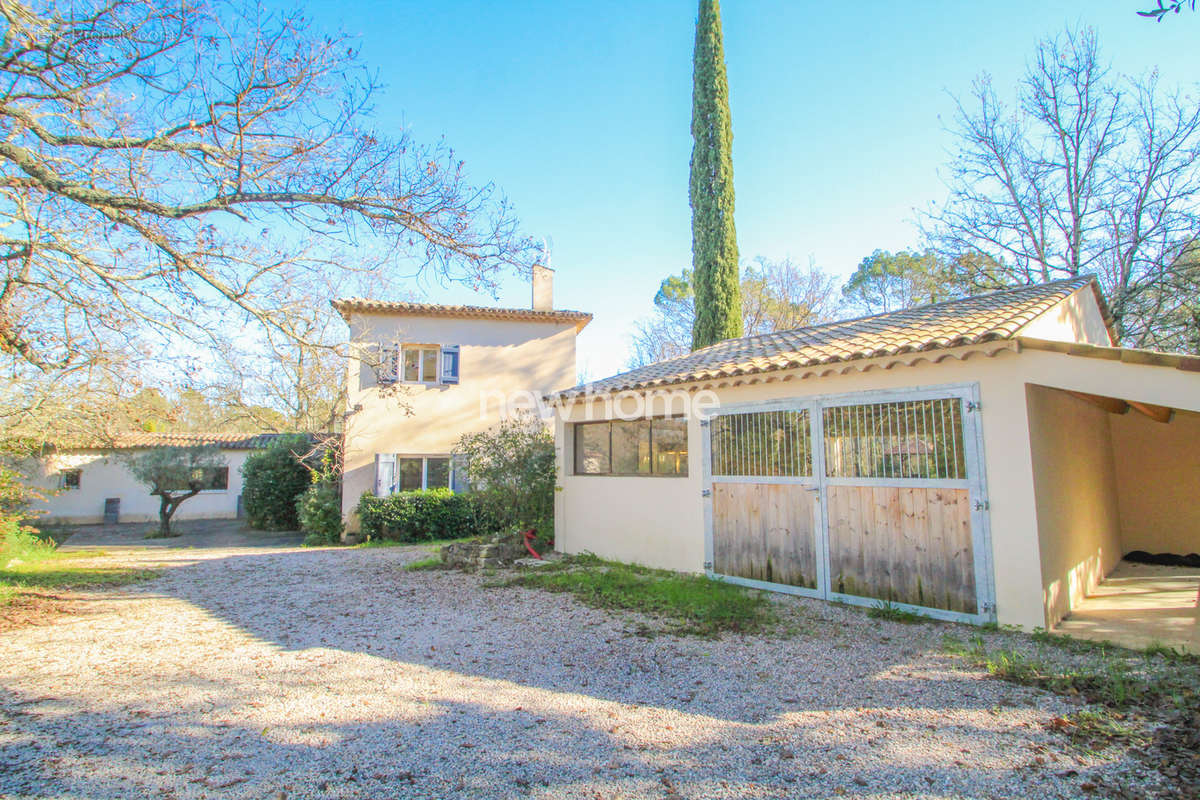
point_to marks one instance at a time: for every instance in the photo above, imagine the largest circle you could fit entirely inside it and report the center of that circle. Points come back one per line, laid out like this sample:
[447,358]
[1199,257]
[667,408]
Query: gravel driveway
[334,673]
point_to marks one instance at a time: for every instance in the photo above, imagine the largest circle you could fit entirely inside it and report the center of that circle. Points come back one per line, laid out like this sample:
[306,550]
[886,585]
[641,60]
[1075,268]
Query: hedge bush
[511,468]
[272,480]
[320,512]
[422,516]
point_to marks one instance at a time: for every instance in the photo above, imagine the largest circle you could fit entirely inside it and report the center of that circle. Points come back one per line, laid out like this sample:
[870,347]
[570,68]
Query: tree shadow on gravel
[457,749]
[447,620]
[476,692]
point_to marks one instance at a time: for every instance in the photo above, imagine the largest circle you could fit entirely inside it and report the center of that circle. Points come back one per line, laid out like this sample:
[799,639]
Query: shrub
[511,470]
[319,510]
[419,516]
[272,481]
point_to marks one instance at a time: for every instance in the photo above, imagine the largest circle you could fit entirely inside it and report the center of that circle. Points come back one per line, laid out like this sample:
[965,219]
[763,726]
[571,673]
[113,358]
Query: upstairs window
[420,364]
[636,447]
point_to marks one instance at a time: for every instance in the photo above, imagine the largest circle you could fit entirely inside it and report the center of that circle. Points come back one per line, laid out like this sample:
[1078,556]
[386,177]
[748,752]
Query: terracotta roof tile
[351,305]
[971,320]
[140,439]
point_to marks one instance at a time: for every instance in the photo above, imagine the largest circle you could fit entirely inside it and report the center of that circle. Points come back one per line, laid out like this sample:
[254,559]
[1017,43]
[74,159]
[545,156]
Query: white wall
[105,476]
[1158,481]
[659,521]
[1076,489]
[497,357]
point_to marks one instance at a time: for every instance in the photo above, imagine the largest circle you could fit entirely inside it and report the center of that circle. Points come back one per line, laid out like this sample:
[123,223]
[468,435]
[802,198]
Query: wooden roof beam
[1112,405]
[1156,413]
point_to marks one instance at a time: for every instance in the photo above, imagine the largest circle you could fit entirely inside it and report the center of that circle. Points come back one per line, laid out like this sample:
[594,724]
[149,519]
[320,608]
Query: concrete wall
[1075,487]
[659,521]
[1158,481]
[1076,318]
[497,359]
[105,476]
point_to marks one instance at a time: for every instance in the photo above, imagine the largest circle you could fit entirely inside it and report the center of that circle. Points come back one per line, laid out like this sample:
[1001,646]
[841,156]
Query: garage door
[864,498]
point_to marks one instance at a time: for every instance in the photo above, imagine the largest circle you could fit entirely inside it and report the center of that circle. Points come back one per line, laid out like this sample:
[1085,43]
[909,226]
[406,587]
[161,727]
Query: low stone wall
[498,551]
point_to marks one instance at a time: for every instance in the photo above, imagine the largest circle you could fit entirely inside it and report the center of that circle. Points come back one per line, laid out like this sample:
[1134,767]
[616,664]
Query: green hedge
[424,515]
[320,513]
[272,480]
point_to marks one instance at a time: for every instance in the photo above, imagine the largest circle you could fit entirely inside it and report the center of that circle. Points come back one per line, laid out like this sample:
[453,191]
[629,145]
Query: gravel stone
[298,673]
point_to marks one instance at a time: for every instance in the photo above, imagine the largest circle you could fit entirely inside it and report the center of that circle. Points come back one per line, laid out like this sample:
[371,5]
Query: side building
[422,375]
[87,484]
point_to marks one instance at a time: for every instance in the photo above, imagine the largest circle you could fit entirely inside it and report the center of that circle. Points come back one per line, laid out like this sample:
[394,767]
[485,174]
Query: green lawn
[28,565]
[690,604]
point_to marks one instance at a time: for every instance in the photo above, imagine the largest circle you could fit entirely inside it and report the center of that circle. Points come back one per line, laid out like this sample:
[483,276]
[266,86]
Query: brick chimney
[543,288]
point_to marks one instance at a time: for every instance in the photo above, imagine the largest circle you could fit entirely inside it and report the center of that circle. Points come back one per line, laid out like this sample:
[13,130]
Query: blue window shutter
[450,360]
[385,474]
[458,473]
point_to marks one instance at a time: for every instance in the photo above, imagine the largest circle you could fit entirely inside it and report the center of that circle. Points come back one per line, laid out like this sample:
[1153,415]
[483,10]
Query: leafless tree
[167,168]
[776,296]
[1091,172]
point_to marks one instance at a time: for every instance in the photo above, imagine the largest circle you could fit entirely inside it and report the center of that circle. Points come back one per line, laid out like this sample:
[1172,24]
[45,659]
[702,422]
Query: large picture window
[632,447]
[211,479]
[423,472]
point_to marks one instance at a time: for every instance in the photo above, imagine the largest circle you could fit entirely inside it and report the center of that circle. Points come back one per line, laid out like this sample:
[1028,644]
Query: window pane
[439,473]
[762,443]
[670,446]
[915,439]
[591,448]
[218,478]
[410,473]
[631,447]
[412,364]
[429,359]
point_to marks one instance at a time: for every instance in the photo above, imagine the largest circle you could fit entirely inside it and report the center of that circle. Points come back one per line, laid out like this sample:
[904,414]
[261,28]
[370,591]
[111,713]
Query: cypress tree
[714,239]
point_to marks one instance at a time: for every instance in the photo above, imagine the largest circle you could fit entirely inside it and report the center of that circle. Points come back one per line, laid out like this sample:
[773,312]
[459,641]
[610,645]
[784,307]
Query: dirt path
[268,673]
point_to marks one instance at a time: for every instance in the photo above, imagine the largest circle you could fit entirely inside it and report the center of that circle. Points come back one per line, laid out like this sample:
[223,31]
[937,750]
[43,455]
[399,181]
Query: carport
[1115,475]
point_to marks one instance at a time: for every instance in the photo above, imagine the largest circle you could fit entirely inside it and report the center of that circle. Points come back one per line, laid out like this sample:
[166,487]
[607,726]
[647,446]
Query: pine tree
[714,239]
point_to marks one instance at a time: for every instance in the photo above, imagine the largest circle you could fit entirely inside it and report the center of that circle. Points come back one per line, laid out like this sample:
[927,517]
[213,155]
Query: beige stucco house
[985,459]
[85,485]
[423,375]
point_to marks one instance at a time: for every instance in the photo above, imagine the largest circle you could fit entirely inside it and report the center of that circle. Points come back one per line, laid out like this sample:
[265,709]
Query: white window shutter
[385,474]
[450,363]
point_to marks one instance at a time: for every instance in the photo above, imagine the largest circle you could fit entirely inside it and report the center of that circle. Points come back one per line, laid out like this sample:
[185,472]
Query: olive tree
[175,474]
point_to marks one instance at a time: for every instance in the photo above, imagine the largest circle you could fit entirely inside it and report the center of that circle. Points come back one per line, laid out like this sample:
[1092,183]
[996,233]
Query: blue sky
[580,113]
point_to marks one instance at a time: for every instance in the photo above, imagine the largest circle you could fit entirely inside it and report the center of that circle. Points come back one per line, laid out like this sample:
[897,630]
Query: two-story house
[423,375]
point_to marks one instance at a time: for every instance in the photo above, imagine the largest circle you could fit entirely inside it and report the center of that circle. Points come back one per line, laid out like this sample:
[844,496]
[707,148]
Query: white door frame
[976,484]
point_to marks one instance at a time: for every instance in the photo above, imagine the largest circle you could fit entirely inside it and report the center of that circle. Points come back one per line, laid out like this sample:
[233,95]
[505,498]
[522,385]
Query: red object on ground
[529,535]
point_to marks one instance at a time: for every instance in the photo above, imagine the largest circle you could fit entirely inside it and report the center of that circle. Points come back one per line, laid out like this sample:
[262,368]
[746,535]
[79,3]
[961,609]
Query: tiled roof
[350,305]
[139,439]
[954,323]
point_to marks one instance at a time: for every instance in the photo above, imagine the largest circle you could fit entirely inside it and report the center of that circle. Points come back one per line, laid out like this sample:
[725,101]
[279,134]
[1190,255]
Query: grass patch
[29,564]
[1112,677]
[690,604]
[425,564]
[1091,732]
[433,545]
[885,609]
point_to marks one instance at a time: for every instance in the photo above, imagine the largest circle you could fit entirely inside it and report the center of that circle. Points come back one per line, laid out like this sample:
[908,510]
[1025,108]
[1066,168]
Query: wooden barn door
[764,498]
[887,508]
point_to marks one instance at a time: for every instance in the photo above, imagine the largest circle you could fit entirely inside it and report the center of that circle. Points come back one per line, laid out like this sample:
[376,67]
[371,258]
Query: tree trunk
[165,510]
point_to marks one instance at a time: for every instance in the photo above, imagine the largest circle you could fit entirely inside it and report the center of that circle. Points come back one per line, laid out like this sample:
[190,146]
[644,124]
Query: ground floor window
[656,446]
[70,478]
[401,473]
[211,479]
